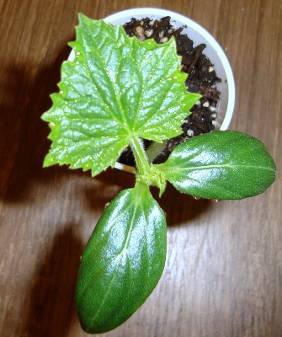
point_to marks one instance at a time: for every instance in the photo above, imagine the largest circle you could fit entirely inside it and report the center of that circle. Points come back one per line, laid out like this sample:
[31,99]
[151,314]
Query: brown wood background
[224,270]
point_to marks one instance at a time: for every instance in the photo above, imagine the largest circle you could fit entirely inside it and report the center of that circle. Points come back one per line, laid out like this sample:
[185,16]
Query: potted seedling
[118,91]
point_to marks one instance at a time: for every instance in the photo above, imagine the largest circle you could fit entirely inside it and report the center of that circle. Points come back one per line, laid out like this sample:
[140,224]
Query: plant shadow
[23,135]
[51,300]
[181,208]
[106,187]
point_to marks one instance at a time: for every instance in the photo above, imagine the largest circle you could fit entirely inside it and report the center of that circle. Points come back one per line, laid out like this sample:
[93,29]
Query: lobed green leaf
[220,165]
[116,87]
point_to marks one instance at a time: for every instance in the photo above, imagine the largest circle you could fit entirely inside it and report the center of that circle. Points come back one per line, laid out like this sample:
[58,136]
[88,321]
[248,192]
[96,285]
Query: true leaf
[115,88]
[220,165]
[123,260]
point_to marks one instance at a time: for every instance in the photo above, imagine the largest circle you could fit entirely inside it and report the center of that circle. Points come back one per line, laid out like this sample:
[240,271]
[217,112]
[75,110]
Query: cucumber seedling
[116,92]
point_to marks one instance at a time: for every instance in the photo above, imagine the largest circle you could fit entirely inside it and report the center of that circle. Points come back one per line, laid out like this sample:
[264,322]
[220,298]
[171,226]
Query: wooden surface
[224,269]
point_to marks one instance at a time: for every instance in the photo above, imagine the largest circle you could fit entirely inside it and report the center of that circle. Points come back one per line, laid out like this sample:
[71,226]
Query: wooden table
[224,270]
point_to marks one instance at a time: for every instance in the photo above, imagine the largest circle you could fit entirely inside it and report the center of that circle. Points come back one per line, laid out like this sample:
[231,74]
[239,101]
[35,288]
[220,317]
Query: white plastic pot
[213,50]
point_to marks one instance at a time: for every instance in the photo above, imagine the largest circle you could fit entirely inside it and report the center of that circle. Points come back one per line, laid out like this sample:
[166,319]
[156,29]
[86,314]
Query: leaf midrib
[145,86]
[111,84]
[120,255]
[206,167]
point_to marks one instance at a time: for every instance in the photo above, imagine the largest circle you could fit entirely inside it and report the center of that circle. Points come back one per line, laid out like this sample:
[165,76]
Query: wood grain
[224,269]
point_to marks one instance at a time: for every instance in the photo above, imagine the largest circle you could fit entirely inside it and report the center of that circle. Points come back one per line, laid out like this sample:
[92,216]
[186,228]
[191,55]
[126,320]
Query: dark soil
[202,79]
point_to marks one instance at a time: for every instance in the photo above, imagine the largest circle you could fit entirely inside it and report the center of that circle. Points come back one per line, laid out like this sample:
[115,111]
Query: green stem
[140,155]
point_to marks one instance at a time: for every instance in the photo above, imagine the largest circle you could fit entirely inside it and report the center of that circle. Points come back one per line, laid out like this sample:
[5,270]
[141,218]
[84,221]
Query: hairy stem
[140,155]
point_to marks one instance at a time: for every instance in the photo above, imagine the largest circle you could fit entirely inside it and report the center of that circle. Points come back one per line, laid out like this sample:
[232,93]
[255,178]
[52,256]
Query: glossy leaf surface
[220,165]
[123,260]
[115,88]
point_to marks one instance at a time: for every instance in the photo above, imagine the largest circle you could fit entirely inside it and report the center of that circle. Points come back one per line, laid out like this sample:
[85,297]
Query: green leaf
[123,260]
[220,165]
[116,87]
